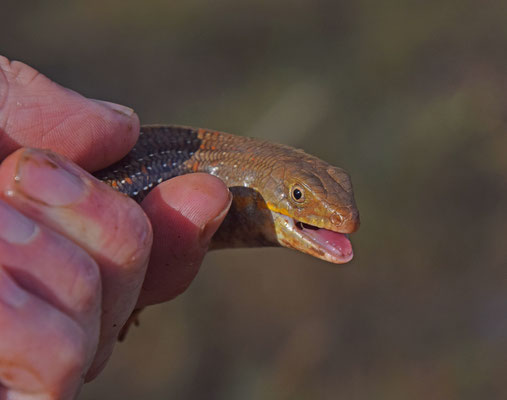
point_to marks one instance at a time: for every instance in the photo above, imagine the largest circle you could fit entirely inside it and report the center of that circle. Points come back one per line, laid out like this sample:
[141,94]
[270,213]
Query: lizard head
[312,206]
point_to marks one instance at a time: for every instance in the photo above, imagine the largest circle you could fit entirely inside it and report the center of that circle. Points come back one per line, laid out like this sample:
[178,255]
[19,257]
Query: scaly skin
[264,178]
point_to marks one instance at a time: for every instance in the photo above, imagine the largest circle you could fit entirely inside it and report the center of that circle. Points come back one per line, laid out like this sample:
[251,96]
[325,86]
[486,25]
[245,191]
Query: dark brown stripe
[159,155]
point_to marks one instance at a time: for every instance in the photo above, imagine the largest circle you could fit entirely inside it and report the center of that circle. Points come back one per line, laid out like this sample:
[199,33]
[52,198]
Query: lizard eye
[298,194]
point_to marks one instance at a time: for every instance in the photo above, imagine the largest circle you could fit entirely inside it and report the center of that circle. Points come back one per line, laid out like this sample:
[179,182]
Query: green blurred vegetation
[410,97]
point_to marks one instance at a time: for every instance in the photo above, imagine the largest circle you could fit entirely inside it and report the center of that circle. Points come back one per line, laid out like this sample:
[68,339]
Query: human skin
[76,257]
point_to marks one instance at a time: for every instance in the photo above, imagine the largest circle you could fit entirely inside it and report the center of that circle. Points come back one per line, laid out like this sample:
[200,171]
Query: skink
[281,195]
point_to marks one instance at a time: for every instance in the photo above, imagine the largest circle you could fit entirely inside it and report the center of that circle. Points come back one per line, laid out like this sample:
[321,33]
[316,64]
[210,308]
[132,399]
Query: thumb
[185,213]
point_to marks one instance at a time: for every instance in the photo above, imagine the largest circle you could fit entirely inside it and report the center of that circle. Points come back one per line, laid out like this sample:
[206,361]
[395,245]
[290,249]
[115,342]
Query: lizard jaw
[323,243]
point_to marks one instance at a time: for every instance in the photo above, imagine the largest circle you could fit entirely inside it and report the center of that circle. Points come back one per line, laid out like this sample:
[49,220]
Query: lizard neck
[249,223]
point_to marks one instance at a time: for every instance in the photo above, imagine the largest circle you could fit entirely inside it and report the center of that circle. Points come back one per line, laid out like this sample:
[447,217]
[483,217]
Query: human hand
[73,252]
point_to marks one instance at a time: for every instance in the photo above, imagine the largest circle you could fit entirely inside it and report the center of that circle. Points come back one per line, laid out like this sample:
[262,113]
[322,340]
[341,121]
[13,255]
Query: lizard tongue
[336,245]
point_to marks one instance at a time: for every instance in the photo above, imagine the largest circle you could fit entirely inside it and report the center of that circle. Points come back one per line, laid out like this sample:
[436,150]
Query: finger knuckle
[85,289]
[132,236]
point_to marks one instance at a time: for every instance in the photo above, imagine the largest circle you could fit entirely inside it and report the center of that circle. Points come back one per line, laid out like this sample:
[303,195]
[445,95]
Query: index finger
[108,225]
[36,112]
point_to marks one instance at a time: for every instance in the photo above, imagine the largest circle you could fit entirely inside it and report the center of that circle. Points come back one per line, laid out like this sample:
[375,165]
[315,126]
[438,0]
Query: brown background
[410,97]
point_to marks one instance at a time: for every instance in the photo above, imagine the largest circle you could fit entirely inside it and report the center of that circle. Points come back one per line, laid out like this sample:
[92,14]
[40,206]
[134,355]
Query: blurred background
[410,97]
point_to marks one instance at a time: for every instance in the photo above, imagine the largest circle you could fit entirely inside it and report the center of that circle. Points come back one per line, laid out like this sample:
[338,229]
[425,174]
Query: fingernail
[10,293]
[212,226]
[15,228]
[46,178]
[127,111]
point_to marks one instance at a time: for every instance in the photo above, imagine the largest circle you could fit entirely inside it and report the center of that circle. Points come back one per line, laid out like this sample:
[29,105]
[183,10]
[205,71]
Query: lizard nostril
[337,219]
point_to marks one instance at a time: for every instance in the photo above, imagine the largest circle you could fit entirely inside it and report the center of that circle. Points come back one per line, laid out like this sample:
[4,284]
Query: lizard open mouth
[335,244]
[319,242]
